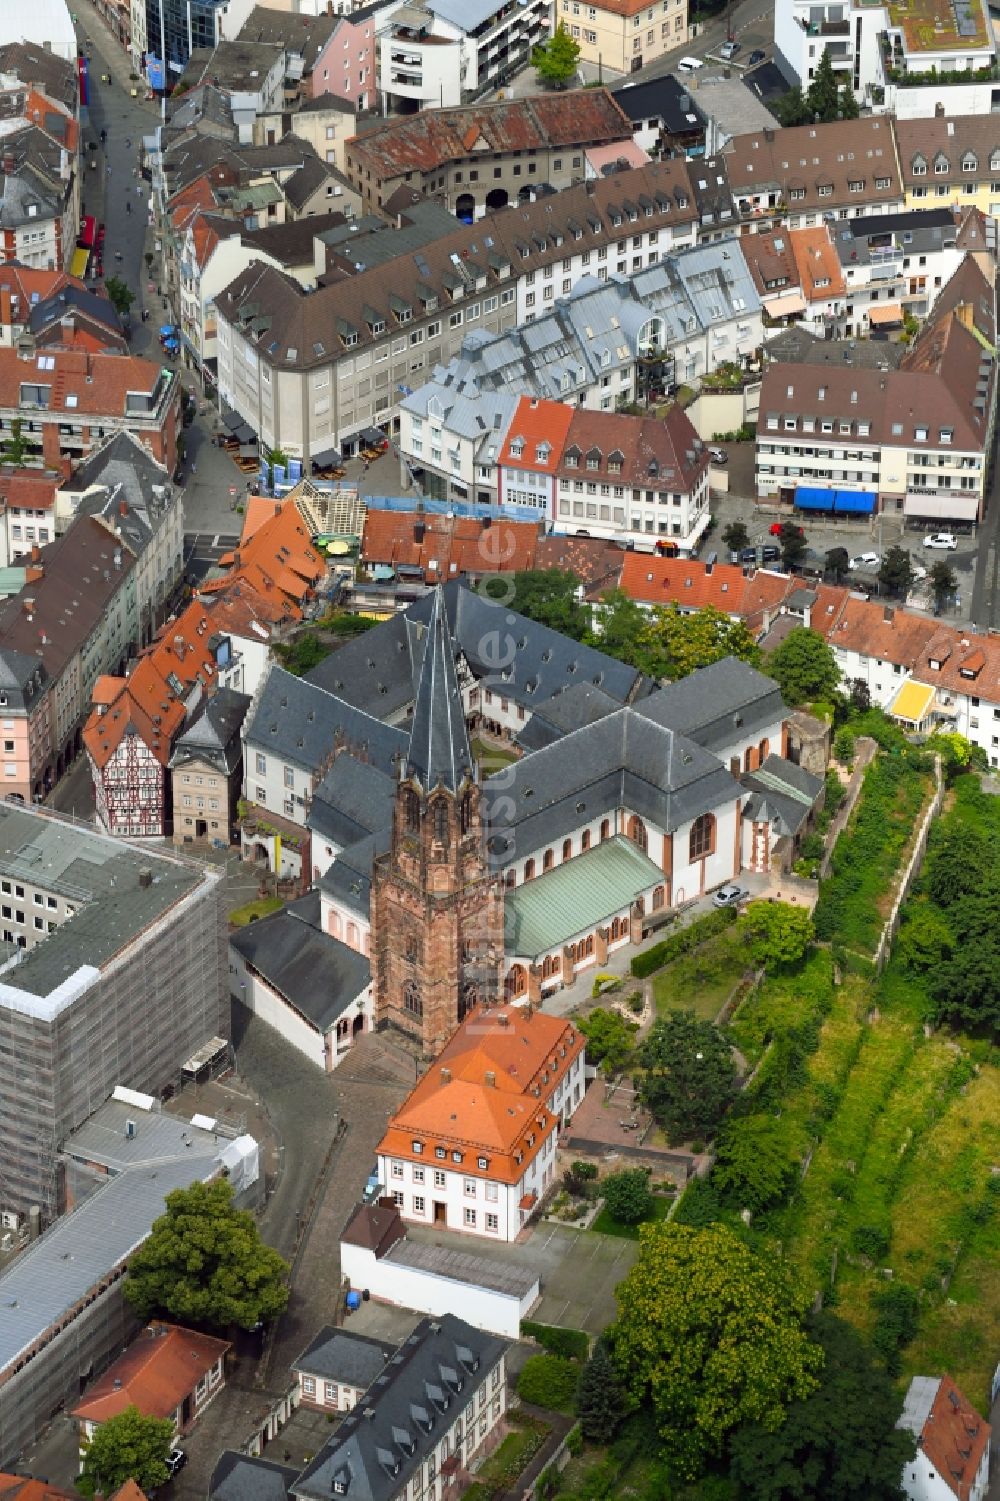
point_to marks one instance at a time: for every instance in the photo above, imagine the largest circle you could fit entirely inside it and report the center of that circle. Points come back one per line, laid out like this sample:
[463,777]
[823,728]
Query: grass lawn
[253,910]
[703,980]
[500,1471]
[606,1224]
[491,757]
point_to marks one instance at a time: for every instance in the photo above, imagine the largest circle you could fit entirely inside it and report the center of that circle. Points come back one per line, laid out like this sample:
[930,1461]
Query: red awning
[88,231]
[529,1201]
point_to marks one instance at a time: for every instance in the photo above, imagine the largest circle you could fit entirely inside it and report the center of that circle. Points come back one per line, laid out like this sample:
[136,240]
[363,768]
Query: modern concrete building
[112,973]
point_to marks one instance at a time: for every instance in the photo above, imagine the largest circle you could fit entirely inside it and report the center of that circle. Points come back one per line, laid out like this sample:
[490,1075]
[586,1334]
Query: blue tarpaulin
[861,502]
[811,498]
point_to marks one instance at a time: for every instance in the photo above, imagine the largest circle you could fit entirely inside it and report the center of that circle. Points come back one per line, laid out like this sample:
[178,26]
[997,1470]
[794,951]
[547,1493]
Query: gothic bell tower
[436,911]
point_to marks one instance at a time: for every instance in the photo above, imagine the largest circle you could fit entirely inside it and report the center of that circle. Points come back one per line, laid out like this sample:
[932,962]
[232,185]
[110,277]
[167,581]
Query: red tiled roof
[537,421]
[25,1488]
[447,546]
[99,382]
[33,488]
[664,581]
[278,559]
[955,1438]
[479,1096]
[425,141]
[817,261]
[159,1369]
[662,452]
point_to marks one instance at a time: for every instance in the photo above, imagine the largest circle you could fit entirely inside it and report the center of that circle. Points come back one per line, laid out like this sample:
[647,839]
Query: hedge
[573,1343]
[682,942]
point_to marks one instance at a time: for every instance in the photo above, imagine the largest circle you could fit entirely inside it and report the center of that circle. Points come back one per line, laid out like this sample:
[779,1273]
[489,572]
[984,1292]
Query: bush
[691,937]
[627,1197]
[549,1381]
[571,1344]
[897,1310]
[843,745]
[871,1241]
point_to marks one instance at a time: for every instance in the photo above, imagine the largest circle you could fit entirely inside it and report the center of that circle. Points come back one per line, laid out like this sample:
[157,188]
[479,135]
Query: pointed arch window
[441,821]
[412,1001]
[411,810]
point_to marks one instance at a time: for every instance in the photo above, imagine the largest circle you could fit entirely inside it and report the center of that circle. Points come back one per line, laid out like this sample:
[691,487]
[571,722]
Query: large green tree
[735,536]
[895,571]
[776,933]
[756,1161]
[826,98]
[710,1334]
[548,595]
[555,60]
[120,294]
[676,643]
[803,666]
[626,1195]
[600,1401]
[205,1263]
[792,543]
[840,1443]
[129,1446]
[689,1075]
[944,583]
[610,1039]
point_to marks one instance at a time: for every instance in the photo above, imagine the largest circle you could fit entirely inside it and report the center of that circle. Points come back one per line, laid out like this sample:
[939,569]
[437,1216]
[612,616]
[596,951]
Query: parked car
[945,540]
[866,560]
[718,455]
[756,56]
[748,555]
[176,1460]
[777,527]
[689,65]
[769,553]
[729,896]
[729,50]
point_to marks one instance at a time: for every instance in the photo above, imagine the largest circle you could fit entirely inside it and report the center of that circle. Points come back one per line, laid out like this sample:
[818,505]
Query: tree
[837,1444]
[129,1446]
[16,448]
[838,564]
[895,571]
[897,1318]
[791,108]
[609,1039]
[776,933]
[121,295]
[861,696]
[792,543]
[549,1381]
[555,60]
[925,940]
[825,100]
[710,1334]
[205,1263]
[959,860]
[804,666]
[600,1401]
[627,1197]
[675,644]
[689,1075]
[943,582]
[956,752]
[755,1162]
[849,108]
[303,654]
[735,536]
[622,628]
[548,595]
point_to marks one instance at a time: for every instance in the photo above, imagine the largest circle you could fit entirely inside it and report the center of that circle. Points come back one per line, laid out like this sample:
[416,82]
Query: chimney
[28,604]
[491,1079]
[123,508]
[887,614]
[36,552]
[939,111]
[446,1076]
[145,878]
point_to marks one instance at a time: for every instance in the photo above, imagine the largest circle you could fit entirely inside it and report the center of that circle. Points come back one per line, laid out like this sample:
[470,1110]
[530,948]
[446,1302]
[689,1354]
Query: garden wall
[913,865]
[864,752]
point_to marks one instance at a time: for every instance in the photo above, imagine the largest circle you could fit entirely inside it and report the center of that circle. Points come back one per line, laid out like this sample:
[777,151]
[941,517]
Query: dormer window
[942,166]
[440,1153]
[417,1147]
[969,162]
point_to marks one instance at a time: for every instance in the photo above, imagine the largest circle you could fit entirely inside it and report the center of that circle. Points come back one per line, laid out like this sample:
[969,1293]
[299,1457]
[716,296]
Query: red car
[777,527]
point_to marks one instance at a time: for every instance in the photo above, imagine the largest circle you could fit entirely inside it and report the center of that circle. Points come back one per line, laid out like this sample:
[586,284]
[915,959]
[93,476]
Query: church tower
[436,912]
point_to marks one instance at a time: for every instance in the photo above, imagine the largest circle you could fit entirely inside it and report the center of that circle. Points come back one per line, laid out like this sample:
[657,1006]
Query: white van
[689,65]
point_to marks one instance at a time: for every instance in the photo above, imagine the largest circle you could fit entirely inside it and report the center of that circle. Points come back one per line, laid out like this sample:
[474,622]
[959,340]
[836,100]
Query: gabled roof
[439,754]
[278,559]
[161,1367]
[313,972]
[949,1430]
[834,154]
[342,1355]
[445,547]
[237,1477]
[537,422]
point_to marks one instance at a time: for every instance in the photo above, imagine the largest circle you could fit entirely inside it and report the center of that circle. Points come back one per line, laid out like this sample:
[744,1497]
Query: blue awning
[811,498]
[861,502]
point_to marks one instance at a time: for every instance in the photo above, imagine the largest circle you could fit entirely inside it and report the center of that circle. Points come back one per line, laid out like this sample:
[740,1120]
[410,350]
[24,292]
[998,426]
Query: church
[438,884]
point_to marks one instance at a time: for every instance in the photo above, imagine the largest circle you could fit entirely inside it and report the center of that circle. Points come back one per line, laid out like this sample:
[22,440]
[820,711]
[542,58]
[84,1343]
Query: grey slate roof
[624,760]
[237,1477]
[315,973]
[439,753]
[715,704]
[214,733]
[349,879]
[578,705]
[411,1407]
[298,720]
[343,1356]
[663,98]
[23,678]
[781,792]
[126,469]
[352,801]
[157,1137]
[70,299]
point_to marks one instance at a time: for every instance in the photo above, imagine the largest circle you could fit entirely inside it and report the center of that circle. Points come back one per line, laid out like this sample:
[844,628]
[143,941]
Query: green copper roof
[575,897]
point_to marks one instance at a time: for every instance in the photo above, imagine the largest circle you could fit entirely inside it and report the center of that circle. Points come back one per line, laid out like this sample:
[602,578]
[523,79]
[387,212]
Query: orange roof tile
[159,1369]
[817,262]
[99,382]
[535,422]
[278,558]
[25,1488]
[444,547]
[260,508]
[29,487]
[663,581]
[955,1438]
[485,1095]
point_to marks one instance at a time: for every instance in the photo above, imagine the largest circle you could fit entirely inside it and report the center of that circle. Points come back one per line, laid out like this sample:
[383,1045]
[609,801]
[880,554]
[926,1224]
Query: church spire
[439,754]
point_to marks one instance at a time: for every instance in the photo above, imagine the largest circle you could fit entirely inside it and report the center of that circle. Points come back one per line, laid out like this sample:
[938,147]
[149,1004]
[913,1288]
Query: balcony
[835,28]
